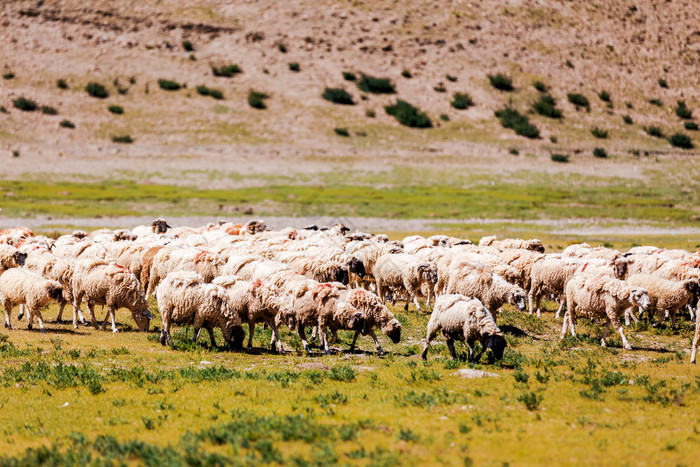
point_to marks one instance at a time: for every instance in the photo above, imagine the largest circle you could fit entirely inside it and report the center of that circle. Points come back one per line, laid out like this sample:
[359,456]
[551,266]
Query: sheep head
[428,272]
[54,290]
[358,322]
[20,257]
[340,274]
[392,329]
[535,245]
[497,343]
[692,287]
[139,309]
[356,266]
[160,226]
[288,317]
[518,298]
[234,335]
[639,297]
[620,265]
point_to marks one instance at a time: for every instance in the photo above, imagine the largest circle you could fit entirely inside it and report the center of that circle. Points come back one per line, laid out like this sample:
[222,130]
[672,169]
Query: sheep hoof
[114,331]
[8,326]
[628,347]
[29,326]
[307,348]
[43,331]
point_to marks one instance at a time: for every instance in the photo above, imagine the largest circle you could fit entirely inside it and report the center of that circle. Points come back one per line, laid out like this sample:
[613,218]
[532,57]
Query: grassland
[92,397]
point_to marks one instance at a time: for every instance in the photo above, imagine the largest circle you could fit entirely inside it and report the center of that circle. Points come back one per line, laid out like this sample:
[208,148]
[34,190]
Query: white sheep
[11,257]
[601,297]
[19,286]
[549,275]
[404,273]
[377,315]
[479,281]
[464,319]
[666,296]
[513,243]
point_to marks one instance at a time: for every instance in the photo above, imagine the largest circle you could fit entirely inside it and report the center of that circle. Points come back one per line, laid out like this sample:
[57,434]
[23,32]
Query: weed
[370,113]
[294,66]
[514,151]
[257,99]
[282,47]
[126,139]
[341,131]
[662,83]
[444,117]
[627,119]
[599,133]
[169,85]
[406,74]
[8,75]
[408,115]
[375,85]
[604,96]
[338,96]
[205,91]
[546,106]
[569,64]
[408,436]
[579,100]
[61,83]
[683,111]
[27,105]
[681,140]
[122,91]
[600,153]
[656,102]
[654,131]
[440,88]
[451,78]
[226,71]
[553,139]
[690,126]
[96,90]
[349,76]
[501,82]
[342,373]
[520,376]
[540,86]
[48,110]
[531,400]
[511,118]
[187,46]
[461,101]
[559,158]
[116,109]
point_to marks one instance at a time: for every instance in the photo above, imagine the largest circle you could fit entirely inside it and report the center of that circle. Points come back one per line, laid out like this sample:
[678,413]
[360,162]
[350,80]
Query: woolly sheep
[21,287]
[479,281]
[404,272]
[513,243]
[11,257]
[549,275]
[464,319]
[666,296]
[377,315]
[601,297]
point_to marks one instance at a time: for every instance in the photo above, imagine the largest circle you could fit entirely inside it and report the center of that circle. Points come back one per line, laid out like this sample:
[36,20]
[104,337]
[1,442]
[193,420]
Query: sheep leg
[696,339]
[571,323]
[20,315]
[212,338]
[376,342]
[539,309]
[30,319]
[275,336]
[91,309]
[565,325]
[605,333]
[334,336]
[354,340]
[323,331]
[561,307]
[104,321]
[529,302]
[625,344]
[61,307]
[112,313]
[8,310]
[415,301]
[451,347]
[251,330]
[76,306]
[302,334]
[660,319]
[673,319]
[39,318]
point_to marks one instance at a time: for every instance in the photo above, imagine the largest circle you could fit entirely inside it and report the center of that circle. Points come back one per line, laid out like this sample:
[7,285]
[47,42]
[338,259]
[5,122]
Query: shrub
[205,91]
[440,88]
[116,109]
[553,139]
[122,91]
[461,101]
[187,45]
[408,115]
[257,99]
[294,66]
[341,131]
[654,131]
[514,151]
[3,109]
[444,117]
[546,106]
[371,113]
[579,100]
[61,83]
[349,76]
[599,133]
[126,139]
[511,118]
[560,158]
[681,140]
[662,82]
[531,400]
[691,126]
[8,75]
[569,64]
[501,82]
[656,102]
[451,78]
[48,110]
[338,96]
[376,85]
[600,153]
[96,90]
[540,86]
[226,71]
[67,124]
[406,74]
[627,119]
[282,47]
[604,96]
[169,85]
[683,111]
[25,104]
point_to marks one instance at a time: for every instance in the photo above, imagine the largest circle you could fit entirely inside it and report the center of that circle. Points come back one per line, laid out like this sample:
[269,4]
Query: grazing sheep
[479,281]
[601,297]
[522,261]
[321,270]
[550,276]
[513,243]
[666,296]
[184,298]
[11,257]
[104,283]
[171,259]
[377,315]
[464,319]
[404,272]
[21,287]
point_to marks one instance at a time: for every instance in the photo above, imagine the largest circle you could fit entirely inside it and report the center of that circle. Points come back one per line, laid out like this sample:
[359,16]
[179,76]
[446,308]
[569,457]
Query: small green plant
[461,101]
[514,151]
[3,109]
[187,45]
[375,85]
[341,131]
[563,158]
[96,90]
[600,153]
[27,105]
[15,153]
[627,119]
[338,96]
[440,88]
[294,66]
[656,102]
[116,109]
[511,118]
[371,113]
[408,115]
[553,139]
[169,85]
[531,400]
[662,82]
[579,100]
[444,117]
[569,64]
[690,126]
[342,373]
[546,106]
[226,71]
[451,78]
[282,47]
[540,86]
[125,139]
[205,91]
[683,111]
[604,96]
[681,140]
[599,133]
[406,74]
[8,75]
[501,82]
[61,83]
[122,91]
[257,99]
[48,110]
[520,376]
[349,76]
[654,131]
[67,124]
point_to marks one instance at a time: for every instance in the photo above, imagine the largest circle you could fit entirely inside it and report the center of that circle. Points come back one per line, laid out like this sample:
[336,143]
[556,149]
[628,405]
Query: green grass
[226,71]
[95,398]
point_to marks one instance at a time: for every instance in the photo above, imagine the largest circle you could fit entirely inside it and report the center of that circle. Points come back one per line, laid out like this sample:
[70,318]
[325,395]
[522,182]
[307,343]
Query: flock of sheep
[226,275]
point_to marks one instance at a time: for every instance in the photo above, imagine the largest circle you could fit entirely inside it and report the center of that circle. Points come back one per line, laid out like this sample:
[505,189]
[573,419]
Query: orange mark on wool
[584,267]
[256,283]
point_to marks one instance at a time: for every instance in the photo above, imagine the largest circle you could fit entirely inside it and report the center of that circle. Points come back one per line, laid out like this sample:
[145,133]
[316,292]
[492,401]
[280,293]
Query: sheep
[549,275]
[254,302]
[20,287]
[464,319]
[479,281]
[513,243]
[376,314]
[602,297]
[404,272]
[184,298]
[11,257]
[171,259]
[104,283]
[666,296]
[321,270]
[160,226]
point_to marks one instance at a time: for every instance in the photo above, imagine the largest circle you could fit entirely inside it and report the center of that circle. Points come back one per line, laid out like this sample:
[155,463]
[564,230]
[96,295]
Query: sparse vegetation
[341,131]
[48,110]
[169,85]
[338,96]
[600,153]
[408,115]
[461,101]
[690,126]
[27,105]
[375,85]
[501,82]
[187,46]
[511,118]
[604,96]
[683,111]
[294,66]
[282,47]
[8,75]
[406,74]
[656,102]
[96,90]
[226,71]
[627,119]
[124,139]
[67,124]
[546,106]
[349,76]
[444,117]
[662,82]
[440,88]
[599,133]
[681,140]
[654,131]
[211,92]
[569,64]
[579,100]
[116,109]
[540,86]
[370,113]
[451,78]
[514,151]
[563,158]
[257,99]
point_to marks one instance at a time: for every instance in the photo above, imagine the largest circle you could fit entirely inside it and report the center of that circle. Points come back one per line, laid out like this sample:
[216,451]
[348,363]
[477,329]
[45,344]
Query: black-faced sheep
[464,319]
[377,315]
[21,287]
[11,257]
[160,226]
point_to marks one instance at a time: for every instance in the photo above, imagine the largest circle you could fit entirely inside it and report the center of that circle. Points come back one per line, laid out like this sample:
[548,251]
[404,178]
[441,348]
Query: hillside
[622,47]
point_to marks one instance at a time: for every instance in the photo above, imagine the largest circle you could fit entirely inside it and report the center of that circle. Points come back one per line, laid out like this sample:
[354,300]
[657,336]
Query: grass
[374,85]
[257,99]
[408,115]
[501,82]
[96,90]
[563,158]
[124,139]
[654,131]
[91,403]
[67,124]
[599,133]
[205,91]
[48,110]
[338,96]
